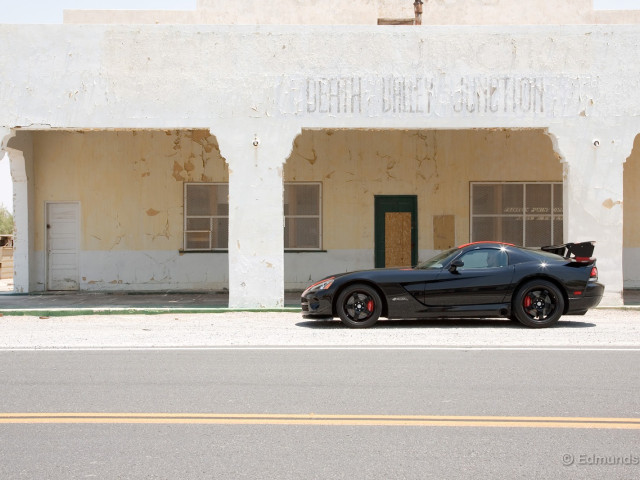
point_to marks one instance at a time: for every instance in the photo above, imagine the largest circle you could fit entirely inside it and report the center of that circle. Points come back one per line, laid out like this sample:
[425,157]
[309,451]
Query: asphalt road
[327,388]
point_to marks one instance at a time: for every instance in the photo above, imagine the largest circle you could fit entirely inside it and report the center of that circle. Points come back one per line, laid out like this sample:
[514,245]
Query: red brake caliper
[527,301]
[370,305]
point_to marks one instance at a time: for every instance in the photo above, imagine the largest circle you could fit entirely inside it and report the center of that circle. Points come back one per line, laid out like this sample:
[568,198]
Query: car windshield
[439,260]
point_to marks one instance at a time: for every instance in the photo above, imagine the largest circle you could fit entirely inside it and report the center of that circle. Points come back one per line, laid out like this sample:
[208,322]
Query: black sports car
[482,279]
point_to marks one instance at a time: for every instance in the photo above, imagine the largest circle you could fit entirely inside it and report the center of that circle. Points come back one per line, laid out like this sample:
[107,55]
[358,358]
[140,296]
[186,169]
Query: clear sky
[50,11]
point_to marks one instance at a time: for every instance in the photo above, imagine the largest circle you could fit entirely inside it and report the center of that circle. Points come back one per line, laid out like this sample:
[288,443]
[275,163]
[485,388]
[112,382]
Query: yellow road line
[316,419]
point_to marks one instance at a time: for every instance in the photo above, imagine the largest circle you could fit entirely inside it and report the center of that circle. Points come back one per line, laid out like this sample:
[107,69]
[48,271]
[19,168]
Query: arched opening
[479,184]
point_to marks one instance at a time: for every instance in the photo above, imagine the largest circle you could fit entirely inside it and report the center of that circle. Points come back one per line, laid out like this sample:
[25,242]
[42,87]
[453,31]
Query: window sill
[227,251]
[202,251]
[305,251]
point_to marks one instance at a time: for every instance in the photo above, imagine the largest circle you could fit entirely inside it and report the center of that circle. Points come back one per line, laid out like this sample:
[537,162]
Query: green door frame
[394,203]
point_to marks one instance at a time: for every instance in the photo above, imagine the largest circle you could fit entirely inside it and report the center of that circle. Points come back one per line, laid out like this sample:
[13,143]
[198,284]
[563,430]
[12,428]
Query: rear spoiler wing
[581,252]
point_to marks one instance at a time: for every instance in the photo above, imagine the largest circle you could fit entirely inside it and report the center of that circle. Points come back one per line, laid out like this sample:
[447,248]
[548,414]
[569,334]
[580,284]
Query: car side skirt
[495,310]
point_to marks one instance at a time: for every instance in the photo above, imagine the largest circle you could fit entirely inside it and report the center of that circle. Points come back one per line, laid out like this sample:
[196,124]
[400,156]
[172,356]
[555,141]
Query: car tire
[538,304]
[359,306]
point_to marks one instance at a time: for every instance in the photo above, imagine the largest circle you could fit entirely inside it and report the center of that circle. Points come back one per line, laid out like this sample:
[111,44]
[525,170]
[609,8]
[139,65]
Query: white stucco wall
[266,83]
[65,76]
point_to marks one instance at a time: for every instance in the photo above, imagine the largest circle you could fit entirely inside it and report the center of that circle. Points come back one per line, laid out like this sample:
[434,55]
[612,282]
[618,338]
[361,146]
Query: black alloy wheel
[359,306]
[538,304]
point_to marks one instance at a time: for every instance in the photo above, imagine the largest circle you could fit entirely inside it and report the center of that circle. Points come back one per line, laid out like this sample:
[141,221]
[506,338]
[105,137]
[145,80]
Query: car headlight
[321,285]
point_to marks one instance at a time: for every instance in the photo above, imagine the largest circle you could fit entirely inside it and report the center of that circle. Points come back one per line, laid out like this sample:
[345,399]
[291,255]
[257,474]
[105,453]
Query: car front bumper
[317,305]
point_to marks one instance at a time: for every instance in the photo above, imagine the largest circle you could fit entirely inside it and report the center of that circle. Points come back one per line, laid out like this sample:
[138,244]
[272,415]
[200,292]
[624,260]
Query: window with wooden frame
[302,216]
[522,213]
[206,216]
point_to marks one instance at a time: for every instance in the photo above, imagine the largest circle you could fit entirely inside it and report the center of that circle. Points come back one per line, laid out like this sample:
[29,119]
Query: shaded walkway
[149,302]
[124,300]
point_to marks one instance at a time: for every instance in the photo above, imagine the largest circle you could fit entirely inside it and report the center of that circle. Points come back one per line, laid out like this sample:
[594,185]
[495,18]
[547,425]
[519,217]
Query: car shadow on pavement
[439,323]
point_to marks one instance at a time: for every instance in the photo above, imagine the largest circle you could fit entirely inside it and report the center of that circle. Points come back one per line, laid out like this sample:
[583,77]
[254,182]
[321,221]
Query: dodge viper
[482,279]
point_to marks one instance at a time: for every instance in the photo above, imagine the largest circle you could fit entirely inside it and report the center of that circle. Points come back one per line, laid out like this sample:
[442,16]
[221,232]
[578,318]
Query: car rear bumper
[316,305]
[590,298]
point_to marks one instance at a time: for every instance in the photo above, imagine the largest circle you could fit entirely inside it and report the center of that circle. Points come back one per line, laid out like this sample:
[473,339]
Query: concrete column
[255,152]
[22,233]
[593,156]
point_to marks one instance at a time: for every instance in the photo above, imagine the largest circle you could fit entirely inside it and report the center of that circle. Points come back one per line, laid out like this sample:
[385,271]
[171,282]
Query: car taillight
[594,274]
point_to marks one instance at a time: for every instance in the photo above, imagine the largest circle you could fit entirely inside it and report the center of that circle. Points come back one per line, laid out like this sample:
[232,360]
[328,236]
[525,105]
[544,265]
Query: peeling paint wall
[437,166]
[130,183]
[130,188]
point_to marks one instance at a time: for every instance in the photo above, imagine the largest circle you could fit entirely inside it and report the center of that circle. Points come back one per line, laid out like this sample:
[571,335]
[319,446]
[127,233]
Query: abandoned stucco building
[260,145]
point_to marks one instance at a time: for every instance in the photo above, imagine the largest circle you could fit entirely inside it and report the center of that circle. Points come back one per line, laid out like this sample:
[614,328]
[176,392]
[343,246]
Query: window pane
[301,199]
[485,228]
[302,233]
[223,205]
[198,224]
[557,199]
[512,231]
[499,229]
[538,231]
[538,198]
[497,199]
[483,200]
[199,199]
[512,199]
[197,240]
[206,200]
[220,233]
[557,231]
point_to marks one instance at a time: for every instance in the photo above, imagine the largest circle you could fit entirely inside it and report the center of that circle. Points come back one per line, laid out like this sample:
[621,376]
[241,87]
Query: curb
[617,307]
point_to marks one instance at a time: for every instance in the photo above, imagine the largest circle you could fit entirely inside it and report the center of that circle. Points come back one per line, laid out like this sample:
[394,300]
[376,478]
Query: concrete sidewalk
[85,303]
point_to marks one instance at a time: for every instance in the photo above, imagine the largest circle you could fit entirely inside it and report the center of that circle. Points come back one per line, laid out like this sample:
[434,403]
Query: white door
[62,246]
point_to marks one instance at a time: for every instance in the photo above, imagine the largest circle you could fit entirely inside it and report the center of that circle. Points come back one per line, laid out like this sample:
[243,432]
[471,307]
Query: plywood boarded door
[397,239]
[62,245]
[396,230]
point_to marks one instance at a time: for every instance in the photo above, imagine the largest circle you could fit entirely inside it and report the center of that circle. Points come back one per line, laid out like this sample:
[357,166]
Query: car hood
[372,271]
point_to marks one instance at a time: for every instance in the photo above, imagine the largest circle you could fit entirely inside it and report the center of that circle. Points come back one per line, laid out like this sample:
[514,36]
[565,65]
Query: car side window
[485,258]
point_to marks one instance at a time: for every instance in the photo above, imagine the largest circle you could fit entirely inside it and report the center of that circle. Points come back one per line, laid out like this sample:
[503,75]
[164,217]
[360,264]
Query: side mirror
[455,265]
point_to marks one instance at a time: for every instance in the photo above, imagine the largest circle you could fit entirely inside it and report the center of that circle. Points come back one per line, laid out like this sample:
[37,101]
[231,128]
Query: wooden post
[417,8]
